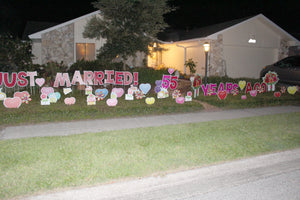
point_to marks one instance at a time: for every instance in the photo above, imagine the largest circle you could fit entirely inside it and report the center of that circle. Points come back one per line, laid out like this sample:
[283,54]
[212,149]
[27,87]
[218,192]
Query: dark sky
[189,14]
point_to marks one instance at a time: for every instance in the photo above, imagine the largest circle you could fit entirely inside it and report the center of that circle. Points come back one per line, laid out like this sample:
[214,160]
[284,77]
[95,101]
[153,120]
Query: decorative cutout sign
[180,100]
[292,90]
[277,94]
[145,88]
[118,91]
[242,84]
[2,95]
[271,78]
[101,94]
[70,101]
[222,94]
[112,102]
[150,100]
[12,102]
[40,81]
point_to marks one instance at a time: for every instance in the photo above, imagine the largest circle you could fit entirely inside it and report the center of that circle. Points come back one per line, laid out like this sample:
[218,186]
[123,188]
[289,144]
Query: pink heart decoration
[21,94]
[119,91]
[277,94]
[171,70]
[222,94]
[44,96]
[70,101]
[243,97]
[40,81]
[47,90]
[112,102]
[12,102]
[253,93]
[180,100]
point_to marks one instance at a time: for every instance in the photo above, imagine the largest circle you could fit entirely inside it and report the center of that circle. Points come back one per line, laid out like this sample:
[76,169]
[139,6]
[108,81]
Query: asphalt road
[268,177]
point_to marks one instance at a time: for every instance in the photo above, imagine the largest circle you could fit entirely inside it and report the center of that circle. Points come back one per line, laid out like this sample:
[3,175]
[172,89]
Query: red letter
[127,78]
[88,77]
[22,82]
[61,80]
[119,78]
[136,78]
[0,78]
[98,79]
[13,82]
[109,80]
[248,88]
[77,78]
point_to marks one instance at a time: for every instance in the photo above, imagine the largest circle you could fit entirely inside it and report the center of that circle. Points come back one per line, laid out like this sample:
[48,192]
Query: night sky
[189,14]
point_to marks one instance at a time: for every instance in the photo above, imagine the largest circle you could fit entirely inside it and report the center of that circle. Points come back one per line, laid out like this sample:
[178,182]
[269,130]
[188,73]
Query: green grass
[32,165]
[261,100]
[35,113]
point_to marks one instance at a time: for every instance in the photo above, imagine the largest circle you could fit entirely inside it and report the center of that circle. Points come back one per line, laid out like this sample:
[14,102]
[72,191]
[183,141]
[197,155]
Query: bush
[149,75]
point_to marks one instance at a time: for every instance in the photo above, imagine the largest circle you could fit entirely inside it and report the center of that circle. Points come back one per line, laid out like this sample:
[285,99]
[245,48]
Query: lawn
[34,165]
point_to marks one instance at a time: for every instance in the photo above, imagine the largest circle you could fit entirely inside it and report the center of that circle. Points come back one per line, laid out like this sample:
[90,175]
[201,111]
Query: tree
[128,26]
[15,54]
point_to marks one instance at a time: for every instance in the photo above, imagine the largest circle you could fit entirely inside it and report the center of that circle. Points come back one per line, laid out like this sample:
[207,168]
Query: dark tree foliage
[128,26]
[15,54]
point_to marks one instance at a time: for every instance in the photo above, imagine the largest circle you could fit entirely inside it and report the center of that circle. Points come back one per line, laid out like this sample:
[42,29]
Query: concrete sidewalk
[92,126]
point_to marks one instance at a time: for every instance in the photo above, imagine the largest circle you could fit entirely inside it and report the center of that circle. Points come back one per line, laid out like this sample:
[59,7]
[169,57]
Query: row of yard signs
[162,88]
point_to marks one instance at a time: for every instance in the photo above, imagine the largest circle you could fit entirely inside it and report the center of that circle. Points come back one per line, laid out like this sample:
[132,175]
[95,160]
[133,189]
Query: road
[273,176]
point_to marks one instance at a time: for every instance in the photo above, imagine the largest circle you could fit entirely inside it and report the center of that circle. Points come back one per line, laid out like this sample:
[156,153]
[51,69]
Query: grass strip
[41,164]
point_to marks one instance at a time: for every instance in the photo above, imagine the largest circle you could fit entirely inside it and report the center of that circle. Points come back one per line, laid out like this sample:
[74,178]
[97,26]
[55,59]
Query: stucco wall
[36,51]
[58,45]
[244,59]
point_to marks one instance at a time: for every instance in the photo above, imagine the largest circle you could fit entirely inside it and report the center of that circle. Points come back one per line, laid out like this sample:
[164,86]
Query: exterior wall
[36,51]
[217,63]
[244,59]
[58,45]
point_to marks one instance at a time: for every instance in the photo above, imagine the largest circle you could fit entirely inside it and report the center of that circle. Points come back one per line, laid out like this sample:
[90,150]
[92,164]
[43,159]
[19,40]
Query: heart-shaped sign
[40,81]
[2,96]
[243,97]
[21,94]
[112,102]
[101,93]
[253,93]
[277,94]
[150,100]
[12,102]
[145,87]
[171,70]
[67,90]
[118,91]
[242,84]
[57,94]
[292,89]
[70,101]
[222,94]
[47,90]
[180,100]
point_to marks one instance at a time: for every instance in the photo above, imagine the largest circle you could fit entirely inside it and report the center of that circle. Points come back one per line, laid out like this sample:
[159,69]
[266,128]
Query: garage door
[248,61]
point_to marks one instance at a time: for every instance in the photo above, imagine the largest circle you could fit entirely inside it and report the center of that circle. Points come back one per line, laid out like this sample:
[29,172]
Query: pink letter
[127,78]
[77,78]
[229,87]
[61,80]
[205,88]
[221,87]
[98,79]
[22,82]
[213,88]
[119,78]
[32,75]
[88,77]
[13,81]
[109,80]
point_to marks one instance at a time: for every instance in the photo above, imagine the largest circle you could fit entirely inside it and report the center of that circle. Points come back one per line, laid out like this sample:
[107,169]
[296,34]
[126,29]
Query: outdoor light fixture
[154,45]
[206,49]
[252,39]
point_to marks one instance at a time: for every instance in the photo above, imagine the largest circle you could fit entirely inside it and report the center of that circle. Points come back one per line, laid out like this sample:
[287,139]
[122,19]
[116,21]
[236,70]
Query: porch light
[206,49]
[154,45]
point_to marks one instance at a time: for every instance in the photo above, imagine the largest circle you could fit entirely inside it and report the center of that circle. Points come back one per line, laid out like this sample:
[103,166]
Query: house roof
[35,26]
[211,32]
[38,35]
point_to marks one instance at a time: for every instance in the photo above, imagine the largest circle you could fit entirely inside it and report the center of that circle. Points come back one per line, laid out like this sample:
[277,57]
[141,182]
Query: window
[85,51]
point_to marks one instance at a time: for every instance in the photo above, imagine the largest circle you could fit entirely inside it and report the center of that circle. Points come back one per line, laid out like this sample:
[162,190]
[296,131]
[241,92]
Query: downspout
[184,56]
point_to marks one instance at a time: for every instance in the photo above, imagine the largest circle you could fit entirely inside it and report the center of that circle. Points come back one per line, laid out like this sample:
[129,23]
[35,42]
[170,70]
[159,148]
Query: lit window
[85,51]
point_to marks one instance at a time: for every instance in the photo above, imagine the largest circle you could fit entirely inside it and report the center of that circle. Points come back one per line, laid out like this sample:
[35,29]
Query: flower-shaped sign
[271,78]
[196,83]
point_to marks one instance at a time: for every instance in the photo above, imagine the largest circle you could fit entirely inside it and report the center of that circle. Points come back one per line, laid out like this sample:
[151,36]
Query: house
[238,48]
[65,43]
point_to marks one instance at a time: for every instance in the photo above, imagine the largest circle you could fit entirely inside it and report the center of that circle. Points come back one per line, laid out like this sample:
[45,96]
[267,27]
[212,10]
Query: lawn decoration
[234,92]
[242,84]
[47,90]
[40,81]
[158,86]
[24,96]
[176,93]
[113,95]
[112,102]
[100,94]
[91,100]
[54,97]
[292,90]
[277,94]
[244,97]
[271,78]
[129,97]
[188,96]
[14,102]
[171,71]
[118,91]
[139,94]
[196,84]
[253,93]
[67,90]
[145,88]
[163,93]
[180,100]
[283,89]
[150,100]
[70,101]
[45,101]
[222,94]
[2,95]
[88,90]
